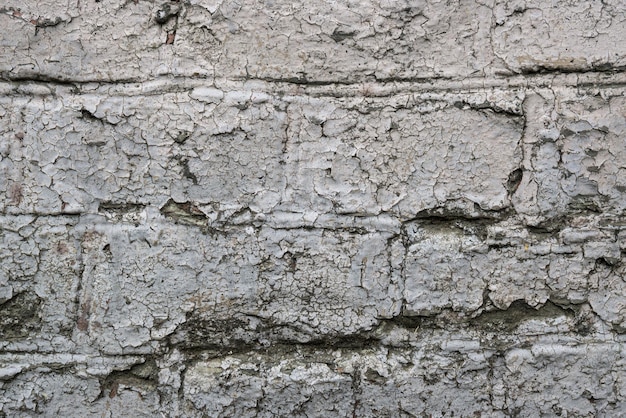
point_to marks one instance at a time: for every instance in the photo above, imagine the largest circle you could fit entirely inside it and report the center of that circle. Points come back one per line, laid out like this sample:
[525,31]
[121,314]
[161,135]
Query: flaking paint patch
[216,208]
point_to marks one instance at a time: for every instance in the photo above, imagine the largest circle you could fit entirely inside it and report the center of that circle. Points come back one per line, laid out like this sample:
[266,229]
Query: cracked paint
[277,208]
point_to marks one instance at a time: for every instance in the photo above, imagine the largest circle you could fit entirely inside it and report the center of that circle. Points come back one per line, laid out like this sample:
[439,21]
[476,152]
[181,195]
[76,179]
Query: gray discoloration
[166,11]
[279,208]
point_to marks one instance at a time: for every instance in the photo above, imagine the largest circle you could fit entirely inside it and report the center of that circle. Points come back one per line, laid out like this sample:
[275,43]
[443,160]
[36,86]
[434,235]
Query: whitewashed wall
[323,209]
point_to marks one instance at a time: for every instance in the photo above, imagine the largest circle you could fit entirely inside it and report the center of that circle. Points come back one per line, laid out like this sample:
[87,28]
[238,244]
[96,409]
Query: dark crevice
[463,105]
[187,172]
[227,337]
[514,180]
[340,34]
[44,22]
[453,221]
[144,375]
[62,81]
[89,116]
[494,320]
[510,318]
[185,213]
[411,322]
[446,214]
[303,80]
[208,350]
[232,335]
[547,228]
[120,207]
[356,391]
[85,114]
[584,204]
[550,69]
[355,341]
[38,214]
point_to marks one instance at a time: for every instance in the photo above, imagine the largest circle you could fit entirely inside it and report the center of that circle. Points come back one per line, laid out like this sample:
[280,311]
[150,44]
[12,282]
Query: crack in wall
[289,209]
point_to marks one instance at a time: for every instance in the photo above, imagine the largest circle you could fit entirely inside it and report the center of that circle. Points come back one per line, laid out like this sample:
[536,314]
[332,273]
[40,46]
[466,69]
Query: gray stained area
[312,209]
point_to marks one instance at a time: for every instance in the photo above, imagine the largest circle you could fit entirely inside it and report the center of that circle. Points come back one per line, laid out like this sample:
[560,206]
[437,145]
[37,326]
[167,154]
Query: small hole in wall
[171,36]
[514,180]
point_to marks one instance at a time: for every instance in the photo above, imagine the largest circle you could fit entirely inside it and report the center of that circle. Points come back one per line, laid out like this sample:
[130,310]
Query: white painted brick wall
[322,209]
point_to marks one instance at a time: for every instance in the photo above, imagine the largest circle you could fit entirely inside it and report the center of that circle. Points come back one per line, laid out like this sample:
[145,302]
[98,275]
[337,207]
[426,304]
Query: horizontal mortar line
[65,359]
[381,227]
[374,88]
[382,222]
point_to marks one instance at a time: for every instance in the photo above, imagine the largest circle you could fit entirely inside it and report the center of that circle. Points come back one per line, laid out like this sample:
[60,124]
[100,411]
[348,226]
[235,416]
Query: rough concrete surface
[272,208]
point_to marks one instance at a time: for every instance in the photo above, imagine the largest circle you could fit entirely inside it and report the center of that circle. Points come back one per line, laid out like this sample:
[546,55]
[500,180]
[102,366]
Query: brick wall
[282,208]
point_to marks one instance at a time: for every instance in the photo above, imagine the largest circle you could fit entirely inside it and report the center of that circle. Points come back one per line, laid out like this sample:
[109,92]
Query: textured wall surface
[353,208]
